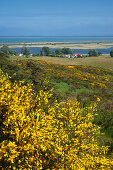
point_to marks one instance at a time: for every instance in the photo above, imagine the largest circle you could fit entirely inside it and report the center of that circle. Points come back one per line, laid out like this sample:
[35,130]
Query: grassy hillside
[77,78]
[104,61]
[86,85]
[37,134]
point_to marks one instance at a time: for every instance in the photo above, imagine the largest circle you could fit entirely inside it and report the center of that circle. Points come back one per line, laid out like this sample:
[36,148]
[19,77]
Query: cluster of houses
[75,55]
[20,54]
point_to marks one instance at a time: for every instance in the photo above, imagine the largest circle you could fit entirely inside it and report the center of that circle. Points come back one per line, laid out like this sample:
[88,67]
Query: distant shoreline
[66,44]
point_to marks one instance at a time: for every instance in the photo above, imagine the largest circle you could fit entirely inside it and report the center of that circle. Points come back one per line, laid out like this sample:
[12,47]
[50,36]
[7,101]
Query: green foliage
[99,53]
[85,90]
[105,120]
[6,65]
[67,51]
[79,56]
[25,51]
[52,54]
[62,87]
[58,51]
[60,56]
[7,50]
[45,51]
[35,55]
[94,53]
[33,73]
[12,69]
[3,56]
[111,53]
[63,51]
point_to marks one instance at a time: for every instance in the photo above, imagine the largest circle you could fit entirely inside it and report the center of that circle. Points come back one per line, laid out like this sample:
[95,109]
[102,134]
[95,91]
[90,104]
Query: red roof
[77,54]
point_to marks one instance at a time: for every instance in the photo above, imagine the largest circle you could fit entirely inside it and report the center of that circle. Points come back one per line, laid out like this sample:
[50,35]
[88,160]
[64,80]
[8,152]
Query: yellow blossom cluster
[38,135]
[95,77]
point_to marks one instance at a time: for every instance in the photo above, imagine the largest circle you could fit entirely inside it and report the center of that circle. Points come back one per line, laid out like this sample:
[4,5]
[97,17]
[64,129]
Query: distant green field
[104,61]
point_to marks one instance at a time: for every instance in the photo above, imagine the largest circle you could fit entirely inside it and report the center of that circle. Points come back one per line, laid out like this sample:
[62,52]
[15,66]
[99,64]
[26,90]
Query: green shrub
[111,53]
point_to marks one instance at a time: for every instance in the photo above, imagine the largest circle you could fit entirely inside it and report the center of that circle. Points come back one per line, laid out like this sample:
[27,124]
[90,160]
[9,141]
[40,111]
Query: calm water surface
[54,39]
[36,50]
[76,39]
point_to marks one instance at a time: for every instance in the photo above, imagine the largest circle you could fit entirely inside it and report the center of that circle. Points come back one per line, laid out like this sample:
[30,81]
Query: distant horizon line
[56,35]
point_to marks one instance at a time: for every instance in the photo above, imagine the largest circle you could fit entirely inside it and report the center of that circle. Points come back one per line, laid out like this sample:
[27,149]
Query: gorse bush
[12,69]
[38,135]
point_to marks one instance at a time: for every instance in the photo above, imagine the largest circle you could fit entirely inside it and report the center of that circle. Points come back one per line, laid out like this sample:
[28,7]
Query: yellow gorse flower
[39,135]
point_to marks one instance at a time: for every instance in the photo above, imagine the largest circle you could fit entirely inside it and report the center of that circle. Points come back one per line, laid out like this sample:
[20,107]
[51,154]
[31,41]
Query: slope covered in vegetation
[50,120]
[85,83]
[38,135]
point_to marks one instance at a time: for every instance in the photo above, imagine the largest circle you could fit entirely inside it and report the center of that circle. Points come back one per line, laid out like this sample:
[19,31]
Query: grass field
[104,61]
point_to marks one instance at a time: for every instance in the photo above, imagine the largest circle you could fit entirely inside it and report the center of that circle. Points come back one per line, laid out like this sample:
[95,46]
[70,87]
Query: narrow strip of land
[72,45]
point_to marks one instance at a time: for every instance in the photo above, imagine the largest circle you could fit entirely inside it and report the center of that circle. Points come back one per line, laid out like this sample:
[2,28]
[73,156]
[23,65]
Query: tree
[11,68]
[8,51]
[58,51]
[111,53]
[13,52]
[99,53]
[63,51]
[93,53]
[5,49]
[25,51]
[3,55]
[52,54]
[45,51]
[66,51]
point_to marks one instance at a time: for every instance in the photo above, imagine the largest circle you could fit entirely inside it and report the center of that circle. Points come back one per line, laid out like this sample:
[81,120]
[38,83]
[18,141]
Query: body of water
[36,50]
[55,39]
[71,39]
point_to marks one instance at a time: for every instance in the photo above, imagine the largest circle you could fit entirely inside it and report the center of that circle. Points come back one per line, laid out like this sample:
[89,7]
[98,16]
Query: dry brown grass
[104,61]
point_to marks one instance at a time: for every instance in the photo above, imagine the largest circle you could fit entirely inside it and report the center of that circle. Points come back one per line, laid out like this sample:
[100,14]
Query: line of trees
[8,51]
[45,51]
[94,53]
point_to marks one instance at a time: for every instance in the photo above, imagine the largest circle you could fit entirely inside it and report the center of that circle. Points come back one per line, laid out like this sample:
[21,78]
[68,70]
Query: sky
[56,17]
